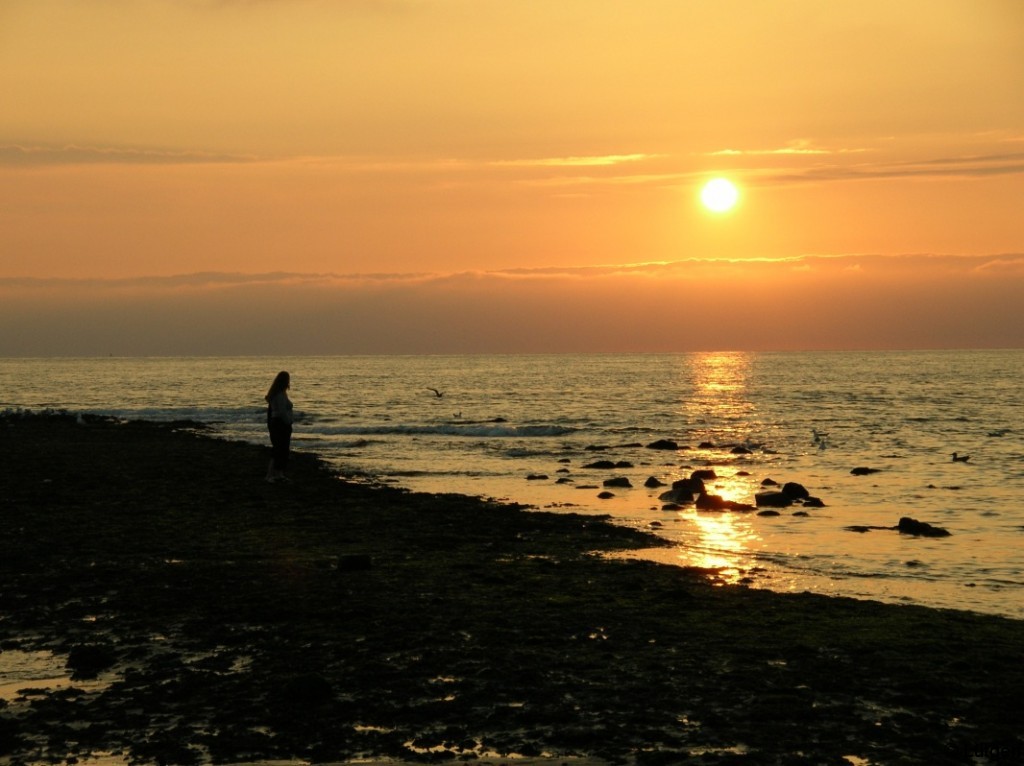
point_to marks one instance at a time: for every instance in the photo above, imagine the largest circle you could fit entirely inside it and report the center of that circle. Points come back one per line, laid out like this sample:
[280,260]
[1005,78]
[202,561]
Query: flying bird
[437,393]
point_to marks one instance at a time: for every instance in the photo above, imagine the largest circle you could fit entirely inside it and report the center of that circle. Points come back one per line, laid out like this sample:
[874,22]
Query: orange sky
[316,176]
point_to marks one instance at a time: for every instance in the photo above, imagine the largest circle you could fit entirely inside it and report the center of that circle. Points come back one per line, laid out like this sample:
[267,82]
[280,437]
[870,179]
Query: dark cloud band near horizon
[850,302]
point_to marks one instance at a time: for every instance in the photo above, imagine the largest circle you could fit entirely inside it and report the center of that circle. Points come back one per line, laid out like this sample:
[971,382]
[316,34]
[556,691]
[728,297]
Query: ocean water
[524,428]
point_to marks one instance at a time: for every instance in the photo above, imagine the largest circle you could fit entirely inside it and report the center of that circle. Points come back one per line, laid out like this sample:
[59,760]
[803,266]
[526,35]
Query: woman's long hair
[281,383]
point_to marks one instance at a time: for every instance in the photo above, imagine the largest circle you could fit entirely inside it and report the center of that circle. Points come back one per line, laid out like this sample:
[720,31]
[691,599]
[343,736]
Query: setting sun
[719,195]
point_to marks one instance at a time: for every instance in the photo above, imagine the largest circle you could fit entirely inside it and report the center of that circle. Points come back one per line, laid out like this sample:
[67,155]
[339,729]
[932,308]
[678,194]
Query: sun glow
[719,195]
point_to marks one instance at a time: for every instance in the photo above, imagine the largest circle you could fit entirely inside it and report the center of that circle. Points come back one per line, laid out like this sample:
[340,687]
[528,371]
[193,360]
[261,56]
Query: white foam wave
[482,430]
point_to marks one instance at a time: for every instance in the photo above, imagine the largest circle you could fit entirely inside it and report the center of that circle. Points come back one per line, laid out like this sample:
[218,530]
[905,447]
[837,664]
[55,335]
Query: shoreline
[236,620]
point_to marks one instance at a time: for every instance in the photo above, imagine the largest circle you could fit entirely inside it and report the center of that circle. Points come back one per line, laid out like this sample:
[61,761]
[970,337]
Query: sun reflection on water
[725,544]
[716,394]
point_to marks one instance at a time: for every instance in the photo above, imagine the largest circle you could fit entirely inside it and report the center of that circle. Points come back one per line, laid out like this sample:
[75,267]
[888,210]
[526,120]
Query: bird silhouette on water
[957,458]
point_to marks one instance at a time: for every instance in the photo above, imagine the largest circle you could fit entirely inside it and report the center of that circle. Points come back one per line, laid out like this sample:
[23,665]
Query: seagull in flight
[437,393]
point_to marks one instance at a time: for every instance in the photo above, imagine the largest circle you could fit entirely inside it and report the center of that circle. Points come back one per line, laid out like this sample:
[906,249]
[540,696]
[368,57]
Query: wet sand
[207,616]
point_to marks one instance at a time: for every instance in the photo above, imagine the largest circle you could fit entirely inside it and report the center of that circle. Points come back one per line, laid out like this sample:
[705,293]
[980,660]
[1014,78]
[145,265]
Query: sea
[529,429]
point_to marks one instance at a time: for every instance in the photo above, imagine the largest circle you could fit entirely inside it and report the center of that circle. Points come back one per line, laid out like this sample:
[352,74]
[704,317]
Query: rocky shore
[202,615]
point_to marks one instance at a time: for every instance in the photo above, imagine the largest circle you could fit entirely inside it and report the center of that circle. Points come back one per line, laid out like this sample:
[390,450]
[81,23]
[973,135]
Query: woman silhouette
[279,422]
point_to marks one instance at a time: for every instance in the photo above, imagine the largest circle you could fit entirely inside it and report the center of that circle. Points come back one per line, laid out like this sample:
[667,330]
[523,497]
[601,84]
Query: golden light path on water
[718,541]
[719,381]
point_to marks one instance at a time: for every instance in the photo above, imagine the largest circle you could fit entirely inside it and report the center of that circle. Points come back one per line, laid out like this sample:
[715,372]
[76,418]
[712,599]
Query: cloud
[577,162]
[809,302]
[18,155]
[798,146]
[969,166]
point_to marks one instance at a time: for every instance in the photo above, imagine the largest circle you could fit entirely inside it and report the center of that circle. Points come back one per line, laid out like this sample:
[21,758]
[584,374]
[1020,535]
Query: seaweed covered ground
[204,615]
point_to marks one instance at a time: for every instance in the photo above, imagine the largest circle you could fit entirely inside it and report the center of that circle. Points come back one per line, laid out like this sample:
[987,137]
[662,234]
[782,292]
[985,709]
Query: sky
[509,176]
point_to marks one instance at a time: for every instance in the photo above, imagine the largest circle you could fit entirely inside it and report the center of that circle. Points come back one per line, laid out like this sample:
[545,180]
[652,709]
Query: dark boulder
[909,526]
[87,661]
[814,502]
[652,482]
[705,445]
[309,690]
[704,474]
[772,499]
[769,483]
[663,444]
[706,502]
[863,470]
[608,464]
[618,481]
[740,450]
[606,495]
[683,491]
[768,513]
[795,491]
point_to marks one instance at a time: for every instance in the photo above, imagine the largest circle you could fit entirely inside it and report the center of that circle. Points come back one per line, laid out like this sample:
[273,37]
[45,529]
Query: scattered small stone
[772,499]
[618,481]
[909,526]
[537,477]
[606,495]
[653,482]
[864,470]
[768,513]
[667,444]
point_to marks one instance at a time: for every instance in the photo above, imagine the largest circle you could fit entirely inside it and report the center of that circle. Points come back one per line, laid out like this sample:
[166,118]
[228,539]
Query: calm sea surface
[502,419]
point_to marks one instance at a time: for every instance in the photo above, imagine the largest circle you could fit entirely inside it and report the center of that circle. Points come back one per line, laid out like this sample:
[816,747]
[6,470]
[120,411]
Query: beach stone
[653,482]
[863,470]
[354,562]
[683,491]
[705,445]
[671,507]
[307,691]
[663,444]
[740,450]
[801,513]
[909,526]
[87,661]
[772,499]
[769,482]
[563,480]
[537,477]
[814,502]
[768,513]
[704,474]
[795,491]
[606,495]
[706,502]
[601,464]
[618,481]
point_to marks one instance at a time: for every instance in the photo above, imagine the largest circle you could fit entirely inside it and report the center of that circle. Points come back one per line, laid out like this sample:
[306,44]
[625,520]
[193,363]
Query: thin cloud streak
[17,155]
